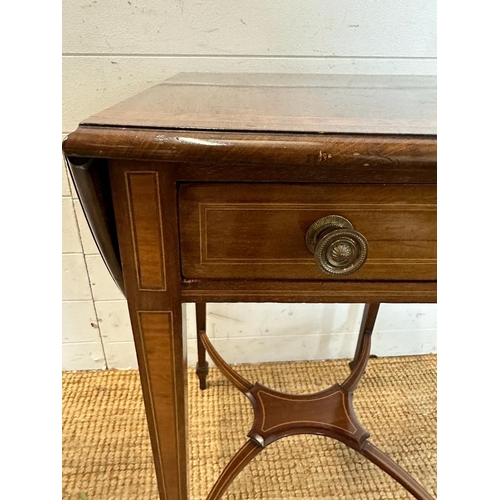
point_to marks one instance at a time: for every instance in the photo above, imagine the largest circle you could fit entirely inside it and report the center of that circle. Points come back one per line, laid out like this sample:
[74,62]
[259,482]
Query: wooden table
[260,188]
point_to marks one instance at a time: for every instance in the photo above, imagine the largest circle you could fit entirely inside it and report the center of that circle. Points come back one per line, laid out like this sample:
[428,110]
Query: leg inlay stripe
[156,337]
[146,227]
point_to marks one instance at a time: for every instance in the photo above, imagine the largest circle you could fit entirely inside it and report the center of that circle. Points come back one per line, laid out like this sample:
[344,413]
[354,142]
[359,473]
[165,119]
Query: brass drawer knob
[338,249]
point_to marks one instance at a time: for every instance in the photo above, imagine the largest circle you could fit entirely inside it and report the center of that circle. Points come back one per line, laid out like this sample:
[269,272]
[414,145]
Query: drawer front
[258,231]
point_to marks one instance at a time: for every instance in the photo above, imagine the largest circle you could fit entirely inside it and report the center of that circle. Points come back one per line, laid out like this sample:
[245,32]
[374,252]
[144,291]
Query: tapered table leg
[366,328]
[146,218]
[358,364]
[202,364]
[159,339]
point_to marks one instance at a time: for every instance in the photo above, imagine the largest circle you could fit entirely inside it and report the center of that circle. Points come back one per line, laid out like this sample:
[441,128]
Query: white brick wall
[113,50]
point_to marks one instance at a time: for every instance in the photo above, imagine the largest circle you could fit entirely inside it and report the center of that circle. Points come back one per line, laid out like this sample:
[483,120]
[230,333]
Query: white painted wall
[114,49]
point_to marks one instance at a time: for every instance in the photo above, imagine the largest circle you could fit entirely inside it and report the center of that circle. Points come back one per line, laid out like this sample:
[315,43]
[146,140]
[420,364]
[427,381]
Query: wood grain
[156,331]
[308,291]
[249,231]
[327,413]
[91,179]
[270,103]
[144,207]
[258,157]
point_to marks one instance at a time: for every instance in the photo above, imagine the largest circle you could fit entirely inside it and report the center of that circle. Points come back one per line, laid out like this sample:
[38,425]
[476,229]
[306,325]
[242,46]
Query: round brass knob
[338,249]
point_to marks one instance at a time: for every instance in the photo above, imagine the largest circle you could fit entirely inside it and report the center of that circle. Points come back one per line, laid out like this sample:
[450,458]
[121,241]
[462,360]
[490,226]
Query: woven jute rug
[107,453]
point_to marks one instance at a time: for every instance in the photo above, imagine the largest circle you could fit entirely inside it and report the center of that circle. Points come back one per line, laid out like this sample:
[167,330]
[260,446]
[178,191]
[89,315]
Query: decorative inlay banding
[277,415]
[206,210]
[156,334]
[145,220]
[328,413]
[311,409]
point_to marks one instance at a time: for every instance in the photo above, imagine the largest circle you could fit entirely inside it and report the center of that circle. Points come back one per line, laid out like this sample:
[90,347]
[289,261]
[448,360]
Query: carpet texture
[107,453]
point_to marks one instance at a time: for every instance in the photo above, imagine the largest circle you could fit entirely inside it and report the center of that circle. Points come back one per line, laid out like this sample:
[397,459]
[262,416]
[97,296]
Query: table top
[275,131]
[273,103]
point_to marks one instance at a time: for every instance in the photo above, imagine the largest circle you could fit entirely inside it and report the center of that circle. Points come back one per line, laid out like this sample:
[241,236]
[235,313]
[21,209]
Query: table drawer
[259,230]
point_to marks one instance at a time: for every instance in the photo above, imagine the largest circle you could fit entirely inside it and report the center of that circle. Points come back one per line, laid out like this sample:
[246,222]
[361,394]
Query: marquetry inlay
[277,415]
[145,219]
[212,216]
[329,413]
[157,342]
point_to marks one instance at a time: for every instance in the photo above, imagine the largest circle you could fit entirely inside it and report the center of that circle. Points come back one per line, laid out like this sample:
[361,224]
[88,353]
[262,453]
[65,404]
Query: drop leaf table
[260,188]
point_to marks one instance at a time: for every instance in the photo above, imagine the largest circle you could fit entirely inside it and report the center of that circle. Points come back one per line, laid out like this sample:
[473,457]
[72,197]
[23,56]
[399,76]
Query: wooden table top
[367,128]
[273,103]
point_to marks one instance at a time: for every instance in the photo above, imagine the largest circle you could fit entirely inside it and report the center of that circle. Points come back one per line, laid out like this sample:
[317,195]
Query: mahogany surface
[248,230]
[201,189]
[282,103]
